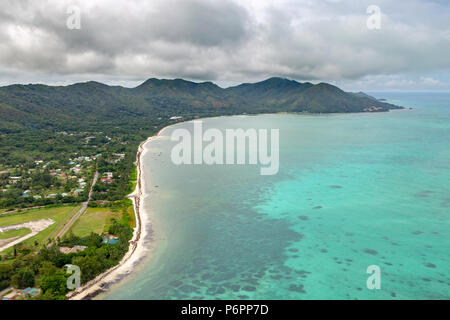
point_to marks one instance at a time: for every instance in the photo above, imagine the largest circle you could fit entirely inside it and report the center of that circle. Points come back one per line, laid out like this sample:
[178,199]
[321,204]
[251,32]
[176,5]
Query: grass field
[95,220]
[14,233]
[133,179]
[130,212]
[59,214]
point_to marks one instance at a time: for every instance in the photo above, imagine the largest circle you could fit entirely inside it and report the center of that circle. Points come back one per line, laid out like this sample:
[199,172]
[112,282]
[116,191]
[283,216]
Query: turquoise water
[353,190]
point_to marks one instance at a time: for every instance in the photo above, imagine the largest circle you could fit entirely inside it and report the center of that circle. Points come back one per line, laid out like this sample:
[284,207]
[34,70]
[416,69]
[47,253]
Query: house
[175,118]
[64,194]
[37,197]
[75,170]
[106,180]
[14,180]
[110,239]
[77,192]
[25,291]
[11,294]
[373,109]
[109,174]
[75,249]
[87,139]
[120,155]
[34,292]
[30,292]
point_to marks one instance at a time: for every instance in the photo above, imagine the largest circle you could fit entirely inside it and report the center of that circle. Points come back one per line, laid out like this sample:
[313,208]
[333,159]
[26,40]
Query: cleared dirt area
[4,242]
[14,233]
[34,226]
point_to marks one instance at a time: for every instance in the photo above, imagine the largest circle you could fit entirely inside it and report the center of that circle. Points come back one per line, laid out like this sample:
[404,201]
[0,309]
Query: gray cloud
[228,41]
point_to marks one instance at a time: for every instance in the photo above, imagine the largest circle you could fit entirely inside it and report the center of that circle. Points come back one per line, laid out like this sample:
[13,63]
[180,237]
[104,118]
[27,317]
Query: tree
[23,278]
[95,240]
[6,271]
[56,283]
[90,267]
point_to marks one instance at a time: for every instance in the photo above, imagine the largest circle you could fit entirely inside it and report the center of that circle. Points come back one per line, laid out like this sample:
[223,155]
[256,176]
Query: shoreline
[136,251]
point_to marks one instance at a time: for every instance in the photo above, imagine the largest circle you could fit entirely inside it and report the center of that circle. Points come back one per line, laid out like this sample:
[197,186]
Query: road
[75,217]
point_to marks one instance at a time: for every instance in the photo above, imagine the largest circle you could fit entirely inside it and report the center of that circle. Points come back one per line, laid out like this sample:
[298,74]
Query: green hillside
[84,105]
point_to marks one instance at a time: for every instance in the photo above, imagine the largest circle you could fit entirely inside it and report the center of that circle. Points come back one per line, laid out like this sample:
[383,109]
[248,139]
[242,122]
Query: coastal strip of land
[137,249]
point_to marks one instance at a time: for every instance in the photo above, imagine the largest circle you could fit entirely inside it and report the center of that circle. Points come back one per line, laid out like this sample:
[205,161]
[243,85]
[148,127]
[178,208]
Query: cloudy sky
[227,41]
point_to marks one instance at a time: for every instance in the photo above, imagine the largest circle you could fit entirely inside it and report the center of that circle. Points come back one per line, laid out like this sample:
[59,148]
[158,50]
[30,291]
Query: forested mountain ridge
[38,106]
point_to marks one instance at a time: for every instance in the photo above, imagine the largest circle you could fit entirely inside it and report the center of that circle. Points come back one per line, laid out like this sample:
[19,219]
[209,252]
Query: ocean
[352,191]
